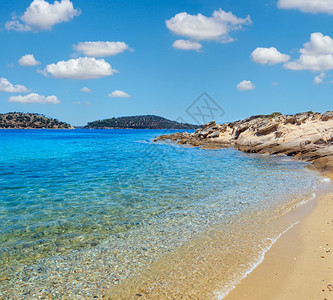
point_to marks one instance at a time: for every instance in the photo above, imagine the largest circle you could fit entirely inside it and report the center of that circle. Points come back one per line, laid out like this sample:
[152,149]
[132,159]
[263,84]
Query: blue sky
[157,57]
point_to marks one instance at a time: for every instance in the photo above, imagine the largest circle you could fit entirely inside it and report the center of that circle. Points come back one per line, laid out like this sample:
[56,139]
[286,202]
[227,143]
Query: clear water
[68,190]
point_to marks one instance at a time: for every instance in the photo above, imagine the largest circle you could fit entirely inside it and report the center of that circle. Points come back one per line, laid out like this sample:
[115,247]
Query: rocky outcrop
[306,136]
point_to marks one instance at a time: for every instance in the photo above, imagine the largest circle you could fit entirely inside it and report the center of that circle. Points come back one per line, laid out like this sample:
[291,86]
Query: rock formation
[306,136]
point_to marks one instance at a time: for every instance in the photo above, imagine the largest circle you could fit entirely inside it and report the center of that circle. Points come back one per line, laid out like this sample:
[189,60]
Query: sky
[80,61]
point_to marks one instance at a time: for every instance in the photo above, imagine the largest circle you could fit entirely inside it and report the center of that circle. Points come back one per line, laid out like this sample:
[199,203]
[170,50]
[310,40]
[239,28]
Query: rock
[4,278]
[205,133]
[210,124]
[306,136]
[290,120]
[267,128]
[327,116]
[240,129]
[302,117]
[214,134]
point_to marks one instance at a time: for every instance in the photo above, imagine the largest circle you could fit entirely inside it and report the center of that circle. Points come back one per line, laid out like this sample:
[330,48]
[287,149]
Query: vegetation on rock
[140,122]
[18,120]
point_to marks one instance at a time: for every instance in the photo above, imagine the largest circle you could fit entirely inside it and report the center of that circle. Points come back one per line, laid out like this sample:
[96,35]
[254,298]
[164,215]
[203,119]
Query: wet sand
[300,264]
[211,266]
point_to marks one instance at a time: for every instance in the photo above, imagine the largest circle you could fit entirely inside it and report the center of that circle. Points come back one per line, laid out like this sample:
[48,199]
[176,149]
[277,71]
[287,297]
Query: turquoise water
[68,190]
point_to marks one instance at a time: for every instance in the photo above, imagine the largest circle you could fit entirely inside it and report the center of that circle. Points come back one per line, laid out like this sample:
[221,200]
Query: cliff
[140,122]
[17,120]
[306,136]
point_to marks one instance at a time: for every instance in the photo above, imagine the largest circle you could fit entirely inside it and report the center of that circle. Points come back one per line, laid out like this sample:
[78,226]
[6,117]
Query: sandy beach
[300,263]
[166,150]
[297,266]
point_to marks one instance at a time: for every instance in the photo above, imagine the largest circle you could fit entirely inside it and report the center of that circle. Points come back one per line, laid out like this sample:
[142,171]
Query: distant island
[139,122]
[18,120]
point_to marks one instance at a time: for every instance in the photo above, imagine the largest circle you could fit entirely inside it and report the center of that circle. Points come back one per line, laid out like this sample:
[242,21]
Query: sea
[88,213]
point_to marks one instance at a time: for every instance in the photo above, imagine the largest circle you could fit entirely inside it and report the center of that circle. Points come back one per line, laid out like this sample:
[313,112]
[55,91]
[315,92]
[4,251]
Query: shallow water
[105,204]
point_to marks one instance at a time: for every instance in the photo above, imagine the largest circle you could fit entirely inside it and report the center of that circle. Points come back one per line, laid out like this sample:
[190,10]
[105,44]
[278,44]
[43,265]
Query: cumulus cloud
[199,27]
[245,85]
[119,94]
[317,54]
[86,90]
[187,45]
[269,56]
[34,98]
[6,86]
[41,15]
[28,61]
[319,79]
[311,6]
[101,49]
[80,68]
[17,26]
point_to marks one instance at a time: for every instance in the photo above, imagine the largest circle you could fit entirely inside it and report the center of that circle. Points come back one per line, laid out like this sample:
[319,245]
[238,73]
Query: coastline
[304,136]
[299,265]
[211,268]
[216,257]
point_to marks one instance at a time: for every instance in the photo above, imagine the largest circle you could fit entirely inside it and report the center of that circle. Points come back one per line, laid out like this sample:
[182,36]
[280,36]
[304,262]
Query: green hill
[17,120]
[140,122]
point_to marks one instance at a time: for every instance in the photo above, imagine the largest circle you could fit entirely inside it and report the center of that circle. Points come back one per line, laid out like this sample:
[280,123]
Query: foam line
[260,259]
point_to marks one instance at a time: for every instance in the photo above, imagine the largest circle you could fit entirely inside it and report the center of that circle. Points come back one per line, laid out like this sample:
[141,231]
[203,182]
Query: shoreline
[222,254]
[304,136]
[299,265]
[224,294]
[90,269]
[184,273]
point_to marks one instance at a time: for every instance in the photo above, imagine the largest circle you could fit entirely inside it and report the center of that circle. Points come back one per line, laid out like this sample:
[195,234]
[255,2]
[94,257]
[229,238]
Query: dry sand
[300,263]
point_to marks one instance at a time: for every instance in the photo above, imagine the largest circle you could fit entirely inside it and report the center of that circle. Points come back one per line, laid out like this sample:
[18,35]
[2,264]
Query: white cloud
[80,103]
[275,83]
[80,68]
[119,94]
[17,26]
[269,56]
[41,15]
[34,98]
[312,6]
[317,54]
[319,79]
[101,49]
[86,90]
[28,60]
[6,86]
[245,85]
[187,45]
[199,27]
